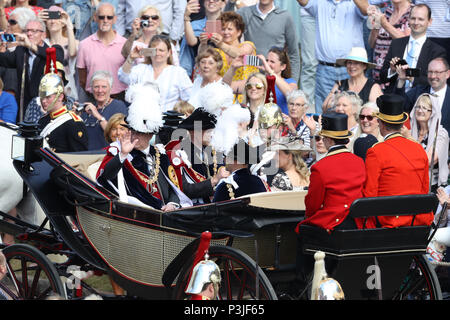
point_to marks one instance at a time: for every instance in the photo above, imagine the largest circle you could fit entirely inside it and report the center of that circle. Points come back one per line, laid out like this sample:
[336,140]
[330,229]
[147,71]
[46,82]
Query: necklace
[153,179]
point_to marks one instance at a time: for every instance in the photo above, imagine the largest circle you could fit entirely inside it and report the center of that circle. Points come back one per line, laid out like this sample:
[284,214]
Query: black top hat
[172,119]
[208,121]
[391,109]
[243,153]
[334,125]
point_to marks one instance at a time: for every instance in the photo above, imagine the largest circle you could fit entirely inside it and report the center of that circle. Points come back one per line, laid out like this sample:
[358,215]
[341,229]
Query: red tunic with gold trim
[397,166]
[335,182]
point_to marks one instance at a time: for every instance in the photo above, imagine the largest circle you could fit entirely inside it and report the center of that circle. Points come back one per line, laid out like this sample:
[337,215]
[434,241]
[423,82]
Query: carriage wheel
[32,276]
[420,283]
[238,273]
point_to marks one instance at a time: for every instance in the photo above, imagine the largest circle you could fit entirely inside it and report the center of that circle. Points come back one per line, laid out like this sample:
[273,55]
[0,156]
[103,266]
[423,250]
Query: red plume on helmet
[270,94]
[50,66]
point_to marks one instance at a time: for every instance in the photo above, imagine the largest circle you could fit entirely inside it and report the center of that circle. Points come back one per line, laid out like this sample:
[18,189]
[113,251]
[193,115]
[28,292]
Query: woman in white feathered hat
[134,169]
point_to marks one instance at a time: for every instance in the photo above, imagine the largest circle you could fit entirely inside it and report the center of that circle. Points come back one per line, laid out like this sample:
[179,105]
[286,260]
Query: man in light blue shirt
[339,27]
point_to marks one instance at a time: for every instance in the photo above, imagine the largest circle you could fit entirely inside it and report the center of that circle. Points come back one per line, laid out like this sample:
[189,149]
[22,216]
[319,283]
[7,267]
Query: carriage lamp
[26,142]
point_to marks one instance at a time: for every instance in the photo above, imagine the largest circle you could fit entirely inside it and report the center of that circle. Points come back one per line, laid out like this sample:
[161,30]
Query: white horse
[12,198]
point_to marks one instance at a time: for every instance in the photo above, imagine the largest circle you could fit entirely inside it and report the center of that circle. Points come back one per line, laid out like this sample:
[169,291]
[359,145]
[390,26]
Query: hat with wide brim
[334,125]
[391,109]
[357,54]
[199,119]
[289,144]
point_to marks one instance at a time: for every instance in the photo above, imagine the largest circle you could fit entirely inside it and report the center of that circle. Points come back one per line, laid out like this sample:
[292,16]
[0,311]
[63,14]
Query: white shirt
[173,83]
[264,15]
[441,95]
[417,48]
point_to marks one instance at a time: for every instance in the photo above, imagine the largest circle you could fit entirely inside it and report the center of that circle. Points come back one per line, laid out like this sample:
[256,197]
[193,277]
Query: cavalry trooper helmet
[50,84]
[204,273]
[269,115]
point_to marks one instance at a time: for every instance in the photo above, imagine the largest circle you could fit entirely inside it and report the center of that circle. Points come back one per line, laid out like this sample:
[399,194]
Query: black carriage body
[135,245]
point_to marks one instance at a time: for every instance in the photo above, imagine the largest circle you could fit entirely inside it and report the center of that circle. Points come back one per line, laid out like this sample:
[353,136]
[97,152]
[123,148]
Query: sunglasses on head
[12,22]
[107,17]
[248,86]
[153,17]
[362,116]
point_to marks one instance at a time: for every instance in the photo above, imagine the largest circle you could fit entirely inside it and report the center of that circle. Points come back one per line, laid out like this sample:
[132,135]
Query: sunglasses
[12,22]
[107,17]
[424,108]
[318,138]
[362,116]
[146,17]
[248,86]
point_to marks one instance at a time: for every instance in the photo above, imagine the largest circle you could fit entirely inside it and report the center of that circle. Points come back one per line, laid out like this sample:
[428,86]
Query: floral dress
[384,40]
[241,73]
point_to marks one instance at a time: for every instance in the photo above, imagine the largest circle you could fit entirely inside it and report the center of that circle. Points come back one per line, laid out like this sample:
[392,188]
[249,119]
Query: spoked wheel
[238,273]
[31,274]
[420,283]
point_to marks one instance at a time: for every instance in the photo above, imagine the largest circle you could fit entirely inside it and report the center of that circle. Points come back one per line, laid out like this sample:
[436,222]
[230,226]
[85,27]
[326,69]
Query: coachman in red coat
[335,182]
[396,166]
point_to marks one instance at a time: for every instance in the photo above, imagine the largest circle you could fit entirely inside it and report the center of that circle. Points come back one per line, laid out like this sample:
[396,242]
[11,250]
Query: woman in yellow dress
[231,49]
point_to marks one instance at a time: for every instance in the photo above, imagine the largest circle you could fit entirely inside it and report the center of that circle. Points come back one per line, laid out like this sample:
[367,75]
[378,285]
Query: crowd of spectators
[324,56]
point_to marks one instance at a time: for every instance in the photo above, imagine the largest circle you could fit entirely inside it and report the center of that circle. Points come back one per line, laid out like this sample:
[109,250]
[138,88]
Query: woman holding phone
[59,30]
[147,24]
[277,64]
[230,48]
[173,81]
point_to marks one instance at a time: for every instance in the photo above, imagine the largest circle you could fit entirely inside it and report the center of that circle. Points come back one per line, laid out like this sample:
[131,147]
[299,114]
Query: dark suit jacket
[111,166]
[414,93]
[430,51]
[15,60]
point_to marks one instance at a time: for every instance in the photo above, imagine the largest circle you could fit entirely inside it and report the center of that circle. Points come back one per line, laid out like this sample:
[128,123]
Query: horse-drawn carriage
[150,253]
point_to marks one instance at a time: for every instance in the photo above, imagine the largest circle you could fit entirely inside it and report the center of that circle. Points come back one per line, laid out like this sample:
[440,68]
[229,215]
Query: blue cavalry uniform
[64,131]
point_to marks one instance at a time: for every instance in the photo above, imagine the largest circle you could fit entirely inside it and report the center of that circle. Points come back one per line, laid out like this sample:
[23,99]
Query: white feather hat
[216,96]
[226,134]
[144,112]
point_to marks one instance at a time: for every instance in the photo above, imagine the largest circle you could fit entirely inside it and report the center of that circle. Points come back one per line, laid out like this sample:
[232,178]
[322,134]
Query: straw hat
[288,143]
[358,54]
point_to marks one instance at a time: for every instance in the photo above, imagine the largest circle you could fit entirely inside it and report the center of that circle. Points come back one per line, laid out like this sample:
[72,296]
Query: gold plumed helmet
[270,113]
[51,83]
[204,273]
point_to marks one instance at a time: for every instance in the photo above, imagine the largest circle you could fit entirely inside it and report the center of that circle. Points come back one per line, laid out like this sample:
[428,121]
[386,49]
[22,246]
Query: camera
[144,23]
[411,72]
[7,37]
[80,107]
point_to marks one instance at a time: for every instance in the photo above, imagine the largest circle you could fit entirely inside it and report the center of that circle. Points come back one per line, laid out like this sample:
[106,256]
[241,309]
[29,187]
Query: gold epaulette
[376,144]
[75,116]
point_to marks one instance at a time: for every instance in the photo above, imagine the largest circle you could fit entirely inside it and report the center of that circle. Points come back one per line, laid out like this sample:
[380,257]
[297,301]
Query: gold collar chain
[156,172]
[230,191]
